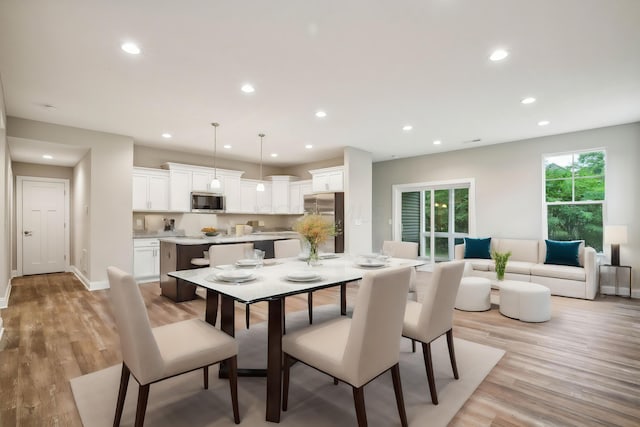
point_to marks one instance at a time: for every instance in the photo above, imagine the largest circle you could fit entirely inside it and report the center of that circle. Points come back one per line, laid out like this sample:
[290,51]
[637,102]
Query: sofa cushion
[519,267]
[542,256]
[558,272]
[521,249]
[477,248]
[482,264]
[562,253]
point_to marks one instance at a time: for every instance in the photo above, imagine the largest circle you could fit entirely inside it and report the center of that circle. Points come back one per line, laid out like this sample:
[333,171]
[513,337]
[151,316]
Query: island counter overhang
[176,254]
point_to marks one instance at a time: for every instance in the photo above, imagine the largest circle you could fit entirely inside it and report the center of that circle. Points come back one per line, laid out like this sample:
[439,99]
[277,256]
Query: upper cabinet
[297,191]
[254,201]
[150,188]
[327,179]
[186,178]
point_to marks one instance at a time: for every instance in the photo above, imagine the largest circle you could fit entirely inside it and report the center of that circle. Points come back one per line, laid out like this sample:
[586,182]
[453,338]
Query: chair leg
[452,353]
[143,396]
[247,314]
[413,346]
[335,381]
[310,306]
[428,364]
[284,326]
[205,374]
[285,381]
[397,388]
[232,365]
[122,393]
[358,399]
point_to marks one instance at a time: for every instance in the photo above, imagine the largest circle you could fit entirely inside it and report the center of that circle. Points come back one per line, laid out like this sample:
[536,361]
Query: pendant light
[215,182]
[260,186]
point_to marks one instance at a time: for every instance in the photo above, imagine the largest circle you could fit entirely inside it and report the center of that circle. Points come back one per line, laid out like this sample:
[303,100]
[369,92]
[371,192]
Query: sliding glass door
[436,216]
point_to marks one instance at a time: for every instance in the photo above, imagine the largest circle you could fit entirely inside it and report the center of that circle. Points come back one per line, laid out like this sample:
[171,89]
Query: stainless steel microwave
[207,202]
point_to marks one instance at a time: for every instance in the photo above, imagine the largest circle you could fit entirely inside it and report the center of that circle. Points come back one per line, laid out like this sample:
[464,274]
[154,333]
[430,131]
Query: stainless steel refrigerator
[330,205]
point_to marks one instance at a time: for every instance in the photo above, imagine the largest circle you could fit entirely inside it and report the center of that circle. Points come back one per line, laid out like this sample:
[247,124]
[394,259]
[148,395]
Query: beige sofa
[527,264]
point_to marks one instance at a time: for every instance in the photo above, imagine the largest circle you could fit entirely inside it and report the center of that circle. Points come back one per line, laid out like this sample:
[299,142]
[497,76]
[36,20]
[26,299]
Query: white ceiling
[373,66]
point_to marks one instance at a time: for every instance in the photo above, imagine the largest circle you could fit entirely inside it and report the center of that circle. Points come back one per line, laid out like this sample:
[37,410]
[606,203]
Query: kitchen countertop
[254,237]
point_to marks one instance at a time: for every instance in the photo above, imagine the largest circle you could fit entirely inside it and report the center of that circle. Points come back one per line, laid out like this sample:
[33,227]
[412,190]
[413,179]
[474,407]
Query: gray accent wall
[508,180]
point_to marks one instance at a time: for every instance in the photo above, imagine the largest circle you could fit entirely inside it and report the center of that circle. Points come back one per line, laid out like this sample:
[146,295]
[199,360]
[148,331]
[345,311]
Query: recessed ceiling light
[227,146]
[543,122]
[528,100]
[321,114]
[274,154]
[47,156]
[131,48]
[437,142]
[247,88]
[166,135]
[308,146]
[498,55]
[407,128]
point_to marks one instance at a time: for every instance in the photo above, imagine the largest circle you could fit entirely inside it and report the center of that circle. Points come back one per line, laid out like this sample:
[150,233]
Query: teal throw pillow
[477,248]
[563,253]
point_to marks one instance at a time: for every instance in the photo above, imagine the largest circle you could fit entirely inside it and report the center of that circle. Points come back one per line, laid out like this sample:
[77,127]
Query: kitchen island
[176,254]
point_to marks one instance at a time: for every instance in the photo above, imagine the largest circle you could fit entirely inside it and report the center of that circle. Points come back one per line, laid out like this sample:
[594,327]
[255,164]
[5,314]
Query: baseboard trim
[4,301]
[91,286]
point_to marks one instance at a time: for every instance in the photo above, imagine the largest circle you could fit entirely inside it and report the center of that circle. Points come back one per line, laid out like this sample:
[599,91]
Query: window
[435,215]
[574,196]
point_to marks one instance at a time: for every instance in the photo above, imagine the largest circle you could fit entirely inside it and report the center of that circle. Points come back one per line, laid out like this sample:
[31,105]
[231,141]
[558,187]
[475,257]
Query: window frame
[396,218]
[573,202]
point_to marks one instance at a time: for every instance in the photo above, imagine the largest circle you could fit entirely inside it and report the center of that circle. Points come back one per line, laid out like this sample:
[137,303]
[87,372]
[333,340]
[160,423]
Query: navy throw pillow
[477,248]
[563,253]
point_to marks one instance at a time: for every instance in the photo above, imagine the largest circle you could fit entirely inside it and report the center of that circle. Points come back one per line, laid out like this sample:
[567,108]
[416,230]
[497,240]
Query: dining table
[272,281]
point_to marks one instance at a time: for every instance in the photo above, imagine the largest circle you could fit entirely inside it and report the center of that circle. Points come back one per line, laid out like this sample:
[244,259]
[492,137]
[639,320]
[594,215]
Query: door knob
[28,233]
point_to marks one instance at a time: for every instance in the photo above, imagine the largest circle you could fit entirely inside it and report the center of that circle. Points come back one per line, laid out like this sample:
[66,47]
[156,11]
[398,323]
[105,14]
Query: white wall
[108,208]
[6,195]
[357,201]
[509,184]
[81,224]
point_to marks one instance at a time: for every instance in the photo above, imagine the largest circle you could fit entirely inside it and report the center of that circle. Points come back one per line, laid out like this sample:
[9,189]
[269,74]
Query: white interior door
[43,227]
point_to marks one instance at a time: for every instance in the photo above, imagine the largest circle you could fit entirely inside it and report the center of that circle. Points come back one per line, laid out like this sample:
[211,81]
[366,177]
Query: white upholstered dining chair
[407,250]
[433,317]
[290,248]
[357,350]
[155,354]
[229,254]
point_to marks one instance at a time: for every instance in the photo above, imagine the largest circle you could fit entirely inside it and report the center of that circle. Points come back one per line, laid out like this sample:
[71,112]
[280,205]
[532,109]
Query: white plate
[235,276]
[302,276]
[248,262]
[371,263]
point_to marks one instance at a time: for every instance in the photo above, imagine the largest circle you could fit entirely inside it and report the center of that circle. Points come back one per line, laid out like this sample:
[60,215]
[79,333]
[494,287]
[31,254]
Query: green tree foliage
[580,181]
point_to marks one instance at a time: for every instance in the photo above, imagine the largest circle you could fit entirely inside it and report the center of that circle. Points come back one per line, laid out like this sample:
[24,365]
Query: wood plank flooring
[582,368]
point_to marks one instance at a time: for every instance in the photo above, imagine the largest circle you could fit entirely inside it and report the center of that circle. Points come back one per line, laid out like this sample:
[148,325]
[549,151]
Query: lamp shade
[615,234]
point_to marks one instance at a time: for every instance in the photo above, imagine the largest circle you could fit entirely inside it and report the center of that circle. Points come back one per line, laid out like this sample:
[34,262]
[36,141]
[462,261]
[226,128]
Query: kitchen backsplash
[193,223]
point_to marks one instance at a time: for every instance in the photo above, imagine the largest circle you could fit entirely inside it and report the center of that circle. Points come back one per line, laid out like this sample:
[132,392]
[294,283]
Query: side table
[615,276]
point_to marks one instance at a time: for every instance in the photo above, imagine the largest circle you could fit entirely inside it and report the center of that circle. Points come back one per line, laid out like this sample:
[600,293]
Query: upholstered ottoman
[525,301]
[474,294]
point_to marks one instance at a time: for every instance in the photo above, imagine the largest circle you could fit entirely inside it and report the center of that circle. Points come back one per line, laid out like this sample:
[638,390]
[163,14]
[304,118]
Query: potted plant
[315,229]
[500,259]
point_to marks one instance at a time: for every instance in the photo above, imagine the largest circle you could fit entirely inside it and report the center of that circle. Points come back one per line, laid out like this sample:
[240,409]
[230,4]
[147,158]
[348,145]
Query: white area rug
[313,399]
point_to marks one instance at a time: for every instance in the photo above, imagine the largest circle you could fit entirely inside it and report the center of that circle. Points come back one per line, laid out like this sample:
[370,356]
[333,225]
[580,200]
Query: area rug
[313,399]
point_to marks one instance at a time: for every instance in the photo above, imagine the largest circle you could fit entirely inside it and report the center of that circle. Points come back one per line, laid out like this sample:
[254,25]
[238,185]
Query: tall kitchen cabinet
[150,189]
[297,191]
[327,179]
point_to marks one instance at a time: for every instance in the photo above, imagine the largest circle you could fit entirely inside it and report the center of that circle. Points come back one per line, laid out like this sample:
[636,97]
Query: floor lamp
[615,235]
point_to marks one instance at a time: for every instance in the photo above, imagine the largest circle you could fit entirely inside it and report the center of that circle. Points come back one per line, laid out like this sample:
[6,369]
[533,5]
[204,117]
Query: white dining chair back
[288,248]
[228,254]
[408,250]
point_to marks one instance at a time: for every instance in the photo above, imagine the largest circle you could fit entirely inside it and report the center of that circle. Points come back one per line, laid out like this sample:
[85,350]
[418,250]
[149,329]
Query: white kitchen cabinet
[232,191]
[280,194]
[297,191]
[150,189]
[146,260]
[328,179]
[200,181]
[180,184]
[253,201]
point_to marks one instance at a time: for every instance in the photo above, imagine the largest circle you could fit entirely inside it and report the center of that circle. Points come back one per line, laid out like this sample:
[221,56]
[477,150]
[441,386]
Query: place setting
[303,276]
[232,275]
[372,261]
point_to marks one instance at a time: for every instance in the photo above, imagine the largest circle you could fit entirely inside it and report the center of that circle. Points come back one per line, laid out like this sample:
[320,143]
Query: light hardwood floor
[582,368]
